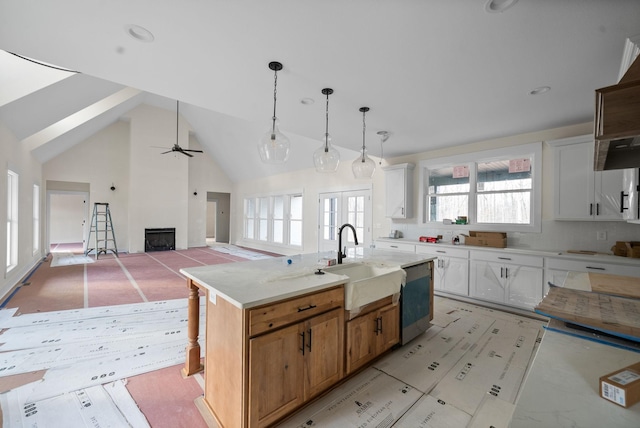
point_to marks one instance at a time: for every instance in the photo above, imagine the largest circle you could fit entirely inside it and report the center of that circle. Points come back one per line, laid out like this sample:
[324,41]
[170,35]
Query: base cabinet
[292,365]
[511,280]
[450,270]
[371,334]
[264,362]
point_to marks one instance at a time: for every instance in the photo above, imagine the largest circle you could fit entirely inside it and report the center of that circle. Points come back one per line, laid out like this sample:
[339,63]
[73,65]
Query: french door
[337,208]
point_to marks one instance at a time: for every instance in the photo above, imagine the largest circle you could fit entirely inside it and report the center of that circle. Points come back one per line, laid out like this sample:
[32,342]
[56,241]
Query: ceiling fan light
[274,146]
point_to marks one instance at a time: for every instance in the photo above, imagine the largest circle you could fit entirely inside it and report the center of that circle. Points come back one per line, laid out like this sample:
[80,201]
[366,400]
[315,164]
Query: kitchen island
[276,335]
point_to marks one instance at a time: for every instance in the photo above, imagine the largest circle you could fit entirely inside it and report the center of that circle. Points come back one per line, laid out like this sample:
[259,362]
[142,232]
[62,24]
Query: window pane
[507,207]
[278,207]
[441,181]
[296,207]
[296,233]
[451,207]
[497,175]
[278,231]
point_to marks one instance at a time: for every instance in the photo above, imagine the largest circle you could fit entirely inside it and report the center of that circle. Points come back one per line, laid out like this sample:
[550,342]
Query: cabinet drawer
[398,246]
[442,251]
[499,257]
[592,266]
[273,316]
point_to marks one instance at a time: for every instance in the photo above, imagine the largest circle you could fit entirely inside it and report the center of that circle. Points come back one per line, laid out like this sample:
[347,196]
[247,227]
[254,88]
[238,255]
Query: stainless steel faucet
[342,255]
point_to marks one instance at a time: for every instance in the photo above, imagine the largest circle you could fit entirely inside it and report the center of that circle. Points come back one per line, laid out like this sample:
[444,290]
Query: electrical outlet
[601,235]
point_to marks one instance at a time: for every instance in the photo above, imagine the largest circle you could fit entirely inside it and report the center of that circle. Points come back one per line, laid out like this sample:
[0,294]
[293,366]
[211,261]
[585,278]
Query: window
[495,189]
[276,219]
[12,220]
[36,218]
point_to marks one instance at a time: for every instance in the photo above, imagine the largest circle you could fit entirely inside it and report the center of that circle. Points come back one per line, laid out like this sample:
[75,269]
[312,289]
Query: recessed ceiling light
[139,33]
[497,6]
[307,101]
[540,90]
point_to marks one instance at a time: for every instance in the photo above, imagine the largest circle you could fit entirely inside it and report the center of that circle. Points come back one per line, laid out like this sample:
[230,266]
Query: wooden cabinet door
[361,340]
[323,359]
[389,328]
[275,374]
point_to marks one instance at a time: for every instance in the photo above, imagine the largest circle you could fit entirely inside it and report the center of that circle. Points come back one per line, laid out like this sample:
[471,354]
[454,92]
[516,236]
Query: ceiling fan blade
[186,154]
[164,153]
[195,151]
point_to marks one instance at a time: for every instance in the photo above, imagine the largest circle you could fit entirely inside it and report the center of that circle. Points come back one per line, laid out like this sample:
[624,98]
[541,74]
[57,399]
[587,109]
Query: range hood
[617,122]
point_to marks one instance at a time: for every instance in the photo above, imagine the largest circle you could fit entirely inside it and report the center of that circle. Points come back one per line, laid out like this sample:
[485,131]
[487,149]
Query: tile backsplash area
[555,235]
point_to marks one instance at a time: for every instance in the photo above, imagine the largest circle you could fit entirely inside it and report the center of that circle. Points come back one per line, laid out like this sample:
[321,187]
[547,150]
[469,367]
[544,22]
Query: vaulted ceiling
[434,73]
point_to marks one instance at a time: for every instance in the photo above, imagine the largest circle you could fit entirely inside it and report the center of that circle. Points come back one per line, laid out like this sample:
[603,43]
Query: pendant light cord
[364,127]
[275,85]
[177,119]
[326,129]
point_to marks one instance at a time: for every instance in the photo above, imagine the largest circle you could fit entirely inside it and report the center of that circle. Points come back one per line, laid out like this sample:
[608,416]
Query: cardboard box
[626,249]
[486,239]
[622,386]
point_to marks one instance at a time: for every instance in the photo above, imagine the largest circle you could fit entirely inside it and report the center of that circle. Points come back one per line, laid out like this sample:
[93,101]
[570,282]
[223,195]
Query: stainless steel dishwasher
[415,302]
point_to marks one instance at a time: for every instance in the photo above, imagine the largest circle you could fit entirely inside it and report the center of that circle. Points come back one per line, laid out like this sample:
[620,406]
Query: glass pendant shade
[326,158]
[363,167]
[274,146]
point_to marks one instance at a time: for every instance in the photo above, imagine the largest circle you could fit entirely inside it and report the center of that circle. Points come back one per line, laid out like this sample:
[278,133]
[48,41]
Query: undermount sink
[368,282]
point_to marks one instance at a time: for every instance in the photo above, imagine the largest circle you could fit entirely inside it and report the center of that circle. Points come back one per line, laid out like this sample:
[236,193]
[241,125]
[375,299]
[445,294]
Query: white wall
[153,190]
[14,157]
[555,235]
[101,160]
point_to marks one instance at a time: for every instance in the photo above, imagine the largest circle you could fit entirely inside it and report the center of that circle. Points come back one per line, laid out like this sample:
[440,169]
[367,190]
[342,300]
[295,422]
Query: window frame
[532,150]
[286,219]
[13,216]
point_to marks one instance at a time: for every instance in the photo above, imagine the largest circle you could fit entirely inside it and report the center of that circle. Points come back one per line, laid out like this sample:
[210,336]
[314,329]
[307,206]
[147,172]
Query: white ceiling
[434,73]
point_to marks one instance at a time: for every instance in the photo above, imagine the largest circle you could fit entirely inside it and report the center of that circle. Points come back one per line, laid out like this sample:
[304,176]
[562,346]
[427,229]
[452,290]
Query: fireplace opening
[163,239]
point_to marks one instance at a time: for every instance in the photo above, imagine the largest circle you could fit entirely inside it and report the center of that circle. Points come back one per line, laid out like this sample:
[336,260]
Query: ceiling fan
[176,147]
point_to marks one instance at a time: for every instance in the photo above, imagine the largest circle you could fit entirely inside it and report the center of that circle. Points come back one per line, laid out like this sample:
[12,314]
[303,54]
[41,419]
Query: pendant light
[363,166]
[326,158]
[274,145]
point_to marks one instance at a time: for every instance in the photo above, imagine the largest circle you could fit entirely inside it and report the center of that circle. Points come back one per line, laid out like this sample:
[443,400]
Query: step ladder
[101,230]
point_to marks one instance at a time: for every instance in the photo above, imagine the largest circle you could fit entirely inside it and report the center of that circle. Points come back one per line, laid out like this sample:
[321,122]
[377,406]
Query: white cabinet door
[450,270]
[399,191]
[580,192]
[487,281]
[453,277]
[524,288]
[574,182]
[608,190]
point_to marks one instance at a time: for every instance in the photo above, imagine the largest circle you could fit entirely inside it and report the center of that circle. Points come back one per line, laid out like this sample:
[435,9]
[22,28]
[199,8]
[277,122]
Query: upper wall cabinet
[399,190]
[580,193]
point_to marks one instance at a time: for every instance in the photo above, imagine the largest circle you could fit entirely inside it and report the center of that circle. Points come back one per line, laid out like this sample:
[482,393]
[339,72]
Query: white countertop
[253,283]
[604,258]
[562,387]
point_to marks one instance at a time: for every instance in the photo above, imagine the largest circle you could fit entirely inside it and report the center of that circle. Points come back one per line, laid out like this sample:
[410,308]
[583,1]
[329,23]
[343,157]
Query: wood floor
[428,371]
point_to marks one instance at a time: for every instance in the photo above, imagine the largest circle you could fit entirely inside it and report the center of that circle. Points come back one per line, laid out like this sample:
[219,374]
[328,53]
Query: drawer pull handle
[307,308]
[504,258]
[441,251]
[394,246]
[309,345]
[595,268]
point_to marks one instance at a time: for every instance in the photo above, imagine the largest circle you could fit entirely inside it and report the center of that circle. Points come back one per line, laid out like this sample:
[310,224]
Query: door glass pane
[278,219]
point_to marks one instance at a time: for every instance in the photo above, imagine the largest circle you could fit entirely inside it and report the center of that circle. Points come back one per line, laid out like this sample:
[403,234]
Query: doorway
[67,217]
[337,208]
[218,218]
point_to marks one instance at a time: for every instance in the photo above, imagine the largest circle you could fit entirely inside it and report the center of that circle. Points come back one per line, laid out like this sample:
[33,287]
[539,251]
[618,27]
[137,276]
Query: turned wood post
[192,363]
